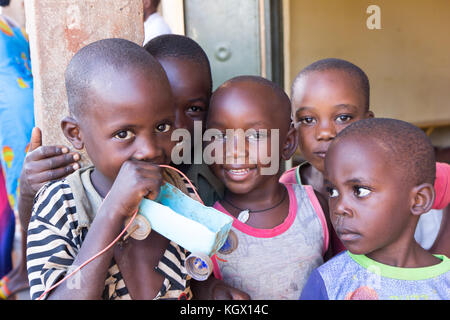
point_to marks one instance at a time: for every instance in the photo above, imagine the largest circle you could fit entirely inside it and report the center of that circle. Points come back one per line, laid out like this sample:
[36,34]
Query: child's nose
[325,131]
[340,208]
[236,146]
[147,150]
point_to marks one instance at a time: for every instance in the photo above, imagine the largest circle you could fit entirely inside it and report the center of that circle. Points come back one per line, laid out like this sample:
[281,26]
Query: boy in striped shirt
[121,112]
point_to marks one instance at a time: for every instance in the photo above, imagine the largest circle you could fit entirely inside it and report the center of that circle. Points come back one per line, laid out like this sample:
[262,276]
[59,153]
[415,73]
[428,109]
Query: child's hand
[136,180]
[223,291]
[45,163]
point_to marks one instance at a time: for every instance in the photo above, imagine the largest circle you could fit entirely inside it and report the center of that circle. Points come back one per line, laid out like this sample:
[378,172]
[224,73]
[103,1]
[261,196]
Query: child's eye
[163,127]
[307,120]
[361,192]
[343,118]
[124,135]
[332,192]
[195,109]
[257,135]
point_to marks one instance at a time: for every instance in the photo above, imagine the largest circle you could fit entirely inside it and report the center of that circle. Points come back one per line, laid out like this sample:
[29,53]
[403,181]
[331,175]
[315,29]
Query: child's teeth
[238,171]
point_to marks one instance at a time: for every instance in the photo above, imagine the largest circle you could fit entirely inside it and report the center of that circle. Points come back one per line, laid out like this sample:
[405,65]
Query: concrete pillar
[57,30]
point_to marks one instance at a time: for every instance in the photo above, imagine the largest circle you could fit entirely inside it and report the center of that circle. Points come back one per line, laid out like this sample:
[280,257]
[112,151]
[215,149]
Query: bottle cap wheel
[199,266]
[143,228]
[230,244]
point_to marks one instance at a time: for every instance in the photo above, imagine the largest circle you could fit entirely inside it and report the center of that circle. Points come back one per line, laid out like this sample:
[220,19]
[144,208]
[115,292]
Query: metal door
[240,37]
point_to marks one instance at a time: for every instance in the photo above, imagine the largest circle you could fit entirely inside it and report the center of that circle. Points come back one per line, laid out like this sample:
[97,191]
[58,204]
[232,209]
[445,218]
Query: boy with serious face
[188,70]
[379,174]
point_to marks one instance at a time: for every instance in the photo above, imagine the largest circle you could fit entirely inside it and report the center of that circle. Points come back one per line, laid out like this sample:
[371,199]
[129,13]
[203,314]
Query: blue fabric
[16,104]
[314,288]
[6,230]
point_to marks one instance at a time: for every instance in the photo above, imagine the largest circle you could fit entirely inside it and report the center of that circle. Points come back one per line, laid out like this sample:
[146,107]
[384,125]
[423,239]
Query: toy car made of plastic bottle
[199,229]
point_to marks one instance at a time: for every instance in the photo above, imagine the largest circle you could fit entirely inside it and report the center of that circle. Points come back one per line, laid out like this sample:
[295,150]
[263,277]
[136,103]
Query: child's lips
[320,154]
[238,174]
[347,234]
[321,149]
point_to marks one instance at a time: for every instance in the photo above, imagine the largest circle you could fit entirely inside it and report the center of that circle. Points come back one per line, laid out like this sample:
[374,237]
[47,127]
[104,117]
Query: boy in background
[326,97]
[189,72]
[154,24]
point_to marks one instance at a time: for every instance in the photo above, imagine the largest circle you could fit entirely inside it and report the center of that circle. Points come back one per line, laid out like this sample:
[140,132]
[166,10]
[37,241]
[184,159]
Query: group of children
[363,187]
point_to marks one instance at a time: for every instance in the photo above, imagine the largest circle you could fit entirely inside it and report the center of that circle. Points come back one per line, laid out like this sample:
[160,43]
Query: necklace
[244,214]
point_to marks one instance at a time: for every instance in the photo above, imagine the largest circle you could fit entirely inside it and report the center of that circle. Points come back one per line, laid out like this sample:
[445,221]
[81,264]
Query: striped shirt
[59,224]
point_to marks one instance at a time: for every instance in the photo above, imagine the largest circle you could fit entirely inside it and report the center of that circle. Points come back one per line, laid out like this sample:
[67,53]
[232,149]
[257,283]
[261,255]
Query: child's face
[368,197]
[191,88]
[246,105]
[132,118]
[324,103]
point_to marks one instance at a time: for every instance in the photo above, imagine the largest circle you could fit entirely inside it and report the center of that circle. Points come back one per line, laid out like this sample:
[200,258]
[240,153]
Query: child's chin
[319,164]
[357,250]
[239,188]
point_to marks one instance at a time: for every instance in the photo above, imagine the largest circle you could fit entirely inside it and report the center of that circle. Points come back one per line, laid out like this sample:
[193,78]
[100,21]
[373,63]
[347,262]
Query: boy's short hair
[285,102]
[408,146]
[343,65]
[94,60]
[178,46]
[4,3]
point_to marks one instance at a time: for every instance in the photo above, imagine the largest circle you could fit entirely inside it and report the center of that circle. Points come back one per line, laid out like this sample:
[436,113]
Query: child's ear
[422,199]
[370,114]
[72,132]
[290,143]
